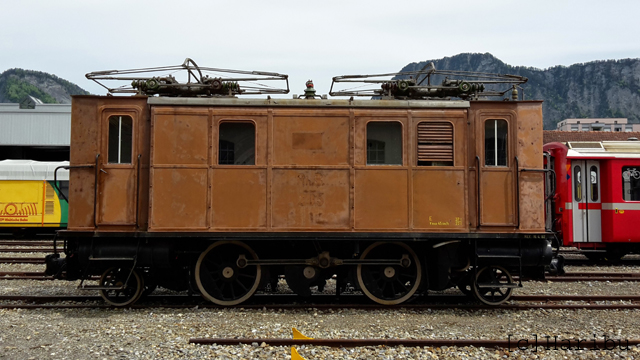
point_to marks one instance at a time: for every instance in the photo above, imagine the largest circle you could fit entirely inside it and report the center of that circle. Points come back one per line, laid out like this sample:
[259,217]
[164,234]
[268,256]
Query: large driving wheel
[389,284]
[223,276]
[493,285]
[125,286]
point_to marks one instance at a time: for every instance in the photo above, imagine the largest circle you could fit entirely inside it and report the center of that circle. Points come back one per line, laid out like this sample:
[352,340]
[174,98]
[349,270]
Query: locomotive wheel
[389,284]
[494,275]
[117,277]
[219,277]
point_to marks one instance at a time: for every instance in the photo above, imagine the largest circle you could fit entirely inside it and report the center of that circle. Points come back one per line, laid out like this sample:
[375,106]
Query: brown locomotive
[396,196]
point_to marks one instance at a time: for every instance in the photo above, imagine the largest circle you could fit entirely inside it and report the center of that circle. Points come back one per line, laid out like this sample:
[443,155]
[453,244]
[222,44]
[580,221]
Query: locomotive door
[116,173]
[496,183]
[586,203]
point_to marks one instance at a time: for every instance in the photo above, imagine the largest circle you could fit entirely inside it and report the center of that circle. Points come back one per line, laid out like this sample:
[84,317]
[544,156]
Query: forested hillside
[15,84]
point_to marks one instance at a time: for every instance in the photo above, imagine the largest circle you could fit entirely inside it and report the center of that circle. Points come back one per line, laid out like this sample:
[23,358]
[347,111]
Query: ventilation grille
[435,142]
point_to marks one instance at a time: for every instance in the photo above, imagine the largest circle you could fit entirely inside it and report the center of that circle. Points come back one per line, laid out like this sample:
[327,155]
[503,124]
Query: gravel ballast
[161,333]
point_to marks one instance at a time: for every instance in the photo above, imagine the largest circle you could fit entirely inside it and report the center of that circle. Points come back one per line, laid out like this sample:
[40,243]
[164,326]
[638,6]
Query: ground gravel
[161,333]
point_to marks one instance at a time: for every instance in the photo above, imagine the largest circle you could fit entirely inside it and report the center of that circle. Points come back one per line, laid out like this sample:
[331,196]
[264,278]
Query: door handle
[104,171]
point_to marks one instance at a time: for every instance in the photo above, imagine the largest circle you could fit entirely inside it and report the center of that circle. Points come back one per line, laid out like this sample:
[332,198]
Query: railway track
[506,344]
[569,277]
[328,302]
[22,260]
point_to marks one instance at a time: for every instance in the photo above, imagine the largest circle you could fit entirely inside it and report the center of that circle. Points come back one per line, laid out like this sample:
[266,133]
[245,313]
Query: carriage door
[117,175]
[587,206]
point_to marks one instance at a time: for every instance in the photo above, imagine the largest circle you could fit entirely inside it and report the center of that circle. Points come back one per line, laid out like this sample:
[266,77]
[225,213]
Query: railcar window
[631,183]
[120,139]
[237,144]
[384,143]
[594,183]
[577,183]
[495,142]
[435,144]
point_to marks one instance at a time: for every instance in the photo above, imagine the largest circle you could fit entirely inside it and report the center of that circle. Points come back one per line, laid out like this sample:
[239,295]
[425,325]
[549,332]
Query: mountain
[597,89]
[15,84]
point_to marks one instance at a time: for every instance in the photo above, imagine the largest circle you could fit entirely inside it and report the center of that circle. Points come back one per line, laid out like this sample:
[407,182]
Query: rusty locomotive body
[395,196]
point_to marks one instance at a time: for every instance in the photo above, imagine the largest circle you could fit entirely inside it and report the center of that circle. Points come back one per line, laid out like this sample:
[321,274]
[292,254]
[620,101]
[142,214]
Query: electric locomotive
[427,185]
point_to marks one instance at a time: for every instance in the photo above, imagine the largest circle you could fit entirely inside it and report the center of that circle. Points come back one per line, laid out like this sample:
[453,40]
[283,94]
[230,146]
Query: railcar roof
[332,103]
[604,149]
[32,170]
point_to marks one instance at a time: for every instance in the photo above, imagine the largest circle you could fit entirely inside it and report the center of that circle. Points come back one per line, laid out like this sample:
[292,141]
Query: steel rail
[185,302]
[26,243]
[32,250]
[509,343]
[22,260]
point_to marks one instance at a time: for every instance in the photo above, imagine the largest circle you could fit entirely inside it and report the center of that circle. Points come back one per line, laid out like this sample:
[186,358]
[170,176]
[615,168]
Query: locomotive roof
[331,103]
[603,149]
[32,170]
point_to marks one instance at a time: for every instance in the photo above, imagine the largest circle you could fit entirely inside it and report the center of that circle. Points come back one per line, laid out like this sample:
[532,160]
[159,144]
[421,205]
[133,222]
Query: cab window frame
[231,142]
[115,143]
[496,151]
[391,140]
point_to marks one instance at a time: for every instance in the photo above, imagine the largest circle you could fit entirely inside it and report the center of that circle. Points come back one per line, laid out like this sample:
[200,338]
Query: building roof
[550,136]
[45,125]
[32,170]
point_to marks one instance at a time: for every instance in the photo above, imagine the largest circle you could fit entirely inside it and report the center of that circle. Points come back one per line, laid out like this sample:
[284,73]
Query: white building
[604,124]
[36,131]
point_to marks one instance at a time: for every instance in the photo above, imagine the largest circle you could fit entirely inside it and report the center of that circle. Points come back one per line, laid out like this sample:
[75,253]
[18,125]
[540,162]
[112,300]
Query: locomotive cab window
[495,142]
[631,183]
[120,139]
[237,143]
[435,144]
[384,143]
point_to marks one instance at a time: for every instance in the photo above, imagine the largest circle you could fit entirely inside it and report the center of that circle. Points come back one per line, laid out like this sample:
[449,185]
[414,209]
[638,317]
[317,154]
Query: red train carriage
[597,196]
[185,184]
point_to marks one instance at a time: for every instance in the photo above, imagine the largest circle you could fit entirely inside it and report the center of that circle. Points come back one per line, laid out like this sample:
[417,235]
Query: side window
[384,143]
[594,183]
[435,144]
[630,183]
[577,184]
[495,142]
[237,143]
[120,139]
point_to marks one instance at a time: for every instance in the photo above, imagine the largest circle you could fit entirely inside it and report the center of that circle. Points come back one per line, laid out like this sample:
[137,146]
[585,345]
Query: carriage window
[384,143]
[237,144]
[594,184]
[577,184]
[495,142]
[435,144]
[631,183]
[120,139]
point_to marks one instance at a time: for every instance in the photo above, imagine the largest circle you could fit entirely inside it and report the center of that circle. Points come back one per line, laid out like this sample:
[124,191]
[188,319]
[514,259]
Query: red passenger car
[596,202]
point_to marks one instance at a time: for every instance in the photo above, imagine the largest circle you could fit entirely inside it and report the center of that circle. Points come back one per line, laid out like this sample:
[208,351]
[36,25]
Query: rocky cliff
[597,89]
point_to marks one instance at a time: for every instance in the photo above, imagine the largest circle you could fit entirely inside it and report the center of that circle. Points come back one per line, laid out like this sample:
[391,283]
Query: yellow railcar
[30,198]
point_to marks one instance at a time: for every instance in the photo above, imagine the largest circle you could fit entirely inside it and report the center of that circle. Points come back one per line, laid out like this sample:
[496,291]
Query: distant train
[31,202]
[397,196]
[596,200]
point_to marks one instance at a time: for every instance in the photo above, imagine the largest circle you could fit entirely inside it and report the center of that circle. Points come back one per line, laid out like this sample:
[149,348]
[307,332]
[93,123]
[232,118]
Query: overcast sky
[308,39]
